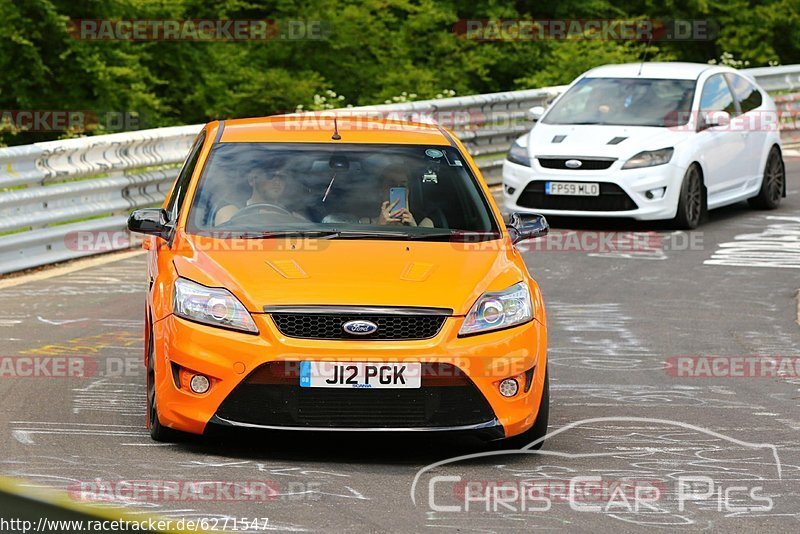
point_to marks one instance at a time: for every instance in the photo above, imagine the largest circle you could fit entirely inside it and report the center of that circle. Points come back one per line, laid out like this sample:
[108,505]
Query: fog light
[199,384]
[655,194]
[510,190]
[509,387]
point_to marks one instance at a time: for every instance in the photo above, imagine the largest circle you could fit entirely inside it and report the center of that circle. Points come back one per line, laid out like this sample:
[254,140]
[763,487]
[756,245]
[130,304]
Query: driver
[268,188]
[599,104]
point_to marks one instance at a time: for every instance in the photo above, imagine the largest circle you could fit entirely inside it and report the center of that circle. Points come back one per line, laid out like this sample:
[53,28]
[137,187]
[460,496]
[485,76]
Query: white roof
[675,70]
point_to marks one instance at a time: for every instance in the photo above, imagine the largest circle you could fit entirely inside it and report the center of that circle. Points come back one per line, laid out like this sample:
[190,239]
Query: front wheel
[772,185]
[691,202]
[158,432]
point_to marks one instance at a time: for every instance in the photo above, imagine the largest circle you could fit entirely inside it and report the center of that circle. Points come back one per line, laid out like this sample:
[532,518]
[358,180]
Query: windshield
[624,102]
[355,190]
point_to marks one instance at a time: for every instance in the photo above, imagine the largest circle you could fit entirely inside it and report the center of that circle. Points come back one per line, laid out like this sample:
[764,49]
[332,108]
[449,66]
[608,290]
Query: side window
[185,176]
[716,95]
[746,94]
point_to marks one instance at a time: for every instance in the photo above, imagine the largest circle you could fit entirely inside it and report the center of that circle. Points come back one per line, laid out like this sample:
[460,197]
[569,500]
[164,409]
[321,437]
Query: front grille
[587,164]
[272,396]
[329,326]
[612,198]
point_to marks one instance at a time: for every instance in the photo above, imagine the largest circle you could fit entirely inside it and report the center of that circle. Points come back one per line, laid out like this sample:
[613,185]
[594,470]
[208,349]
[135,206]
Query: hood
[621,142]
[350,272]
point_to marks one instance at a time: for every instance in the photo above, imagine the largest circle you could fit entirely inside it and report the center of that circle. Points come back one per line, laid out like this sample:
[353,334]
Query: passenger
[396,175]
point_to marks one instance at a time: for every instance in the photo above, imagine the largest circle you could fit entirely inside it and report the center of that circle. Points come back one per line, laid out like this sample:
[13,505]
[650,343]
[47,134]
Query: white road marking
[597,336]
[57,322]
[645,249]
[148,444]
[23,431]
[73,432]
[22,436]
[77,265]
[60,423]
[776,246]
[797,296]
[202,463]
[104,395]
[293,471]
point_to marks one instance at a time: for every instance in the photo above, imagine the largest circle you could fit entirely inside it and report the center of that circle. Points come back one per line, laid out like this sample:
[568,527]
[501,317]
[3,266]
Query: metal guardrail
[789,111]
[52,192]
[773,79]
[486,124]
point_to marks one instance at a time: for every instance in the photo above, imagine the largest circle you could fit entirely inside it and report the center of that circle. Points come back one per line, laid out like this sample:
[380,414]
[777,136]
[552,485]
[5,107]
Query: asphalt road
[637,401]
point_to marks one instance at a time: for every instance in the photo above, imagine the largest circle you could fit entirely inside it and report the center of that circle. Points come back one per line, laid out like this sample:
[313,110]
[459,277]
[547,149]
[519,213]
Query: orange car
[351,274]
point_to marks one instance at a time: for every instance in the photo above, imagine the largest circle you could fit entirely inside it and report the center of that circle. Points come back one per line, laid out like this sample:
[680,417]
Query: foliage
[372,51]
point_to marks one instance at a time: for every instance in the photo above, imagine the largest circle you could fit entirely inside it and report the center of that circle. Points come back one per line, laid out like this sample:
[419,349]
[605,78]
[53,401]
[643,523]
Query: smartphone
[399,194]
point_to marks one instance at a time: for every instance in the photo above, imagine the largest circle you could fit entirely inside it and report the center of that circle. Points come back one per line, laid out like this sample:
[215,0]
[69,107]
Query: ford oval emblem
[360,327]
[573,163]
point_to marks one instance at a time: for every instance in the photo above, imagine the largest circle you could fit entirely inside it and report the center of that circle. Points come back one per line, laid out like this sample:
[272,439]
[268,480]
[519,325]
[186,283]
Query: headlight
[518,154]
[649,158]
[499,309]
[211,305]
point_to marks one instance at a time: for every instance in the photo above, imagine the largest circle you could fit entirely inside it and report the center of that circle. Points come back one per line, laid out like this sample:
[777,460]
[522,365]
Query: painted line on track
[72,267]
[797,297]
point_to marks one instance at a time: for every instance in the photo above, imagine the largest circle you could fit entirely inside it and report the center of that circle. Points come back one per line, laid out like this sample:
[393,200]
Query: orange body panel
[337,272]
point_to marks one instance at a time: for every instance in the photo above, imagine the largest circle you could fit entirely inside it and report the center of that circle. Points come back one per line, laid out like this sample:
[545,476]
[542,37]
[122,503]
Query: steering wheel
[263,207]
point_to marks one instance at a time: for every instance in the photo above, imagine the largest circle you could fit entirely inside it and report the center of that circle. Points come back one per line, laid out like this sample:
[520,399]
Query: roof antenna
[646,50]
[335,135]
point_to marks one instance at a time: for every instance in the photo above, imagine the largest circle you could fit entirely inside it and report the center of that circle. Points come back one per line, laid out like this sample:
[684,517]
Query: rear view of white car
[649,141]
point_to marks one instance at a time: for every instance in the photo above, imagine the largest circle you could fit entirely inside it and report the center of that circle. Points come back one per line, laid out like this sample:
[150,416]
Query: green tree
[372,51]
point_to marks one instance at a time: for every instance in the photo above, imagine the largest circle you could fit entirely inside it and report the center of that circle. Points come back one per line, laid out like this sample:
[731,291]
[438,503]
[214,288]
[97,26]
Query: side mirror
[712,119]
[150,221]
[527,226]
[535,113]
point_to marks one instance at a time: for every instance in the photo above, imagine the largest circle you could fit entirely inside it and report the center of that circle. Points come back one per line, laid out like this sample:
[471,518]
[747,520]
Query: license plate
[368,375]
[578,189]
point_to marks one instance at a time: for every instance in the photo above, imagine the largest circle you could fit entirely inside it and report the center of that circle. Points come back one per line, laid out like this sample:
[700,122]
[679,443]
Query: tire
[692,200]
[539,428]
[772,184]
[158,432]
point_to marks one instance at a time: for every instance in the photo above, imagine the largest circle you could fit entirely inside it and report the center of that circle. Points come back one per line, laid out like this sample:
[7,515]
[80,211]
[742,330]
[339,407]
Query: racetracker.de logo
[197,30]
[642,30]
[173,491]
[67,120]
[733,366]
[36,366]
[391,120]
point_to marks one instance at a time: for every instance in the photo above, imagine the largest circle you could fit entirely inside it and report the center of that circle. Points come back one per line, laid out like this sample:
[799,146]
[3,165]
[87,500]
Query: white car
[649,141]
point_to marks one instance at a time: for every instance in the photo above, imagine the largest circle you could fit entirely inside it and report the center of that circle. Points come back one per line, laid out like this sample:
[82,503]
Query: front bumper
[634,182]
[489,430]
[228,358]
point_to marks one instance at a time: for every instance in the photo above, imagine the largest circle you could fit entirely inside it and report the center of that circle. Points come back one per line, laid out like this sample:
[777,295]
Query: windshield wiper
[367,234]
[289,233]
[433,235]
[360,234]
[458,235]
[323,234]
